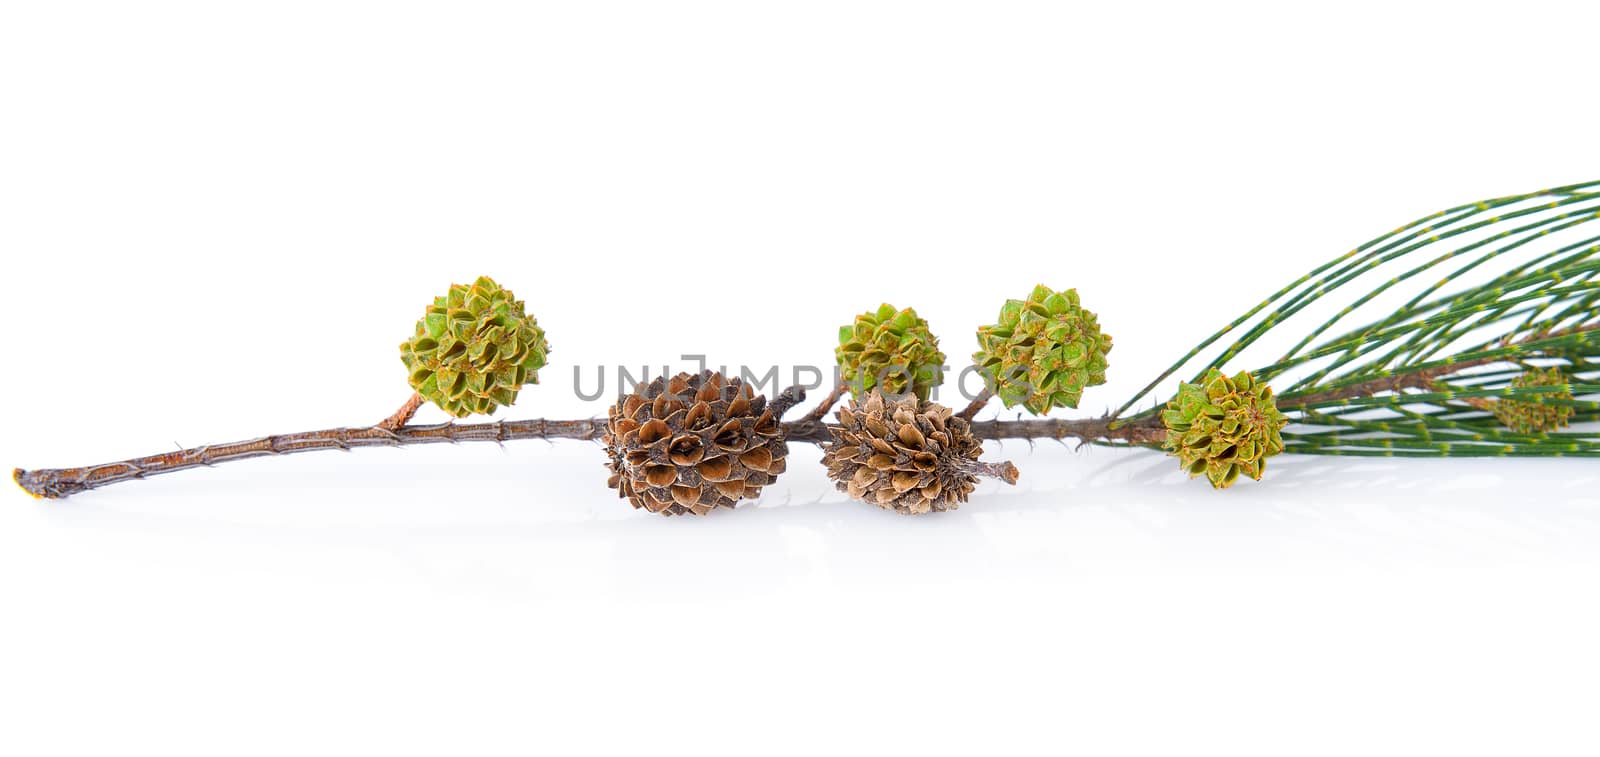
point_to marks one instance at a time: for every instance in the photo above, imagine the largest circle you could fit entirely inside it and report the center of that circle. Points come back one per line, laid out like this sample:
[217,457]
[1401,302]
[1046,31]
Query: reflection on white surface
[538,519]
[1106,587]
[1105,602]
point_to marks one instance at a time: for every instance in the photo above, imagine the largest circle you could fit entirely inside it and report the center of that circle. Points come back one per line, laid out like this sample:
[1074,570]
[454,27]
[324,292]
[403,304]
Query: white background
[219,220]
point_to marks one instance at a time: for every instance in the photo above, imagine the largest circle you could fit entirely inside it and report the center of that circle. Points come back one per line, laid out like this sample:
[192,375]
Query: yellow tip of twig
[16,475]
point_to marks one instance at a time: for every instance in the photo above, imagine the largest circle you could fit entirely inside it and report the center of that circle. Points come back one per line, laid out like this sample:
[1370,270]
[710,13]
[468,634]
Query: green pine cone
[891,349]
[1044,351]
[1224,427]
[1532,417]
[474,348]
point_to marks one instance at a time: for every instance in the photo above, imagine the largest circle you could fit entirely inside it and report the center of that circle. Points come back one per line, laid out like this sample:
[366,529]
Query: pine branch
[64,482]
[1406,384]
[55,484]
[1530,217]
[1145,430]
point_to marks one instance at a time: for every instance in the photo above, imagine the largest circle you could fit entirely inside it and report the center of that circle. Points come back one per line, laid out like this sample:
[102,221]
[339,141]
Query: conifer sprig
[1471,332]
[1420,380]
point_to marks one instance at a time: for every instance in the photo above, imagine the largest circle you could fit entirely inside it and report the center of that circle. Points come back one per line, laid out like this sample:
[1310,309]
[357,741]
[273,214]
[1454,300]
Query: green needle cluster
[1479,308]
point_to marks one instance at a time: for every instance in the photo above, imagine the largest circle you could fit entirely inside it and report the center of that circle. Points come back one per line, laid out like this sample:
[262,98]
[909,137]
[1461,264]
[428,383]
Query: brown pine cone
[692,444]
[908,456]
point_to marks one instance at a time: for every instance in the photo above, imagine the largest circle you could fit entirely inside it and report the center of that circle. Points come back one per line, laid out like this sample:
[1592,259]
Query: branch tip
[29,483]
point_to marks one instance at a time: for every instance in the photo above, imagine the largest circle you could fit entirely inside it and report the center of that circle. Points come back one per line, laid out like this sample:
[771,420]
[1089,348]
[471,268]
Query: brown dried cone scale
[692,444]
[905,455]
